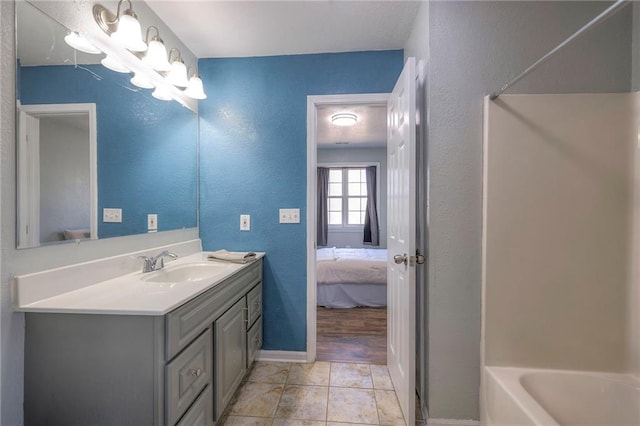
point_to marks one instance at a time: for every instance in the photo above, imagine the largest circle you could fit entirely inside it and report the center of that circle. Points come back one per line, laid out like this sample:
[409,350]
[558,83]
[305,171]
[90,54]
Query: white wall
[16,262]
[350,157]
[558,200]
[473,48]
[64,178]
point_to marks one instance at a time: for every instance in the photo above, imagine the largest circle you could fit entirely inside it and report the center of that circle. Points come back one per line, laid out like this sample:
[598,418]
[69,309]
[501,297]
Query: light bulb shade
[344,119]
[113,64]
[178,74]
[195,90]
[129,33]
[80,43]
[156,56]
[162,93]
[141,81]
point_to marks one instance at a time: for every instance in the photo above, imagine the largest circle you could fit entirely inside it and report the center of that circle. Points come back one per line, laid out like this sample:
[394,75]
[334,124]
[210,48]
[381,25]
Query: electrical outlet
[152,222]
[245,222]
[289,215]
[112,215]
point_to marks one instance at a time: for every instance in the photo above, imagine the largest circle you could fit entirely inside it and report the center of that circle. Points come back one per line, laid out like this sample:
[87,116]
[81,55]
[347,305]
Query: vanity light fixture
[156,56]
[178,72]
[114,65]
[80,43]
[344,119]
[123,28]
[141,81]
[162,93]
[195,89]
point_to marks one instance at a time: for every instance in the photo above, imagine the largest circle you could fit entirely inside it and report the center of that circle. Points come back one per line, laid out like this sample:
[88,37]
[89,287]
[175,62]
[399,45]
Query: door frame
[312,163]
[28,180]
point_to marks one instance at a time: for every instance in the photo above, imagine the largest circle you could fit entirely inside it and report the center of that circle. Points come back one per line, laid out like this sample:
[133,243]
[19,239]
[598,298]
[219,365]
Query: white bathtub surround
[560,265]
[526,396]
[116,285]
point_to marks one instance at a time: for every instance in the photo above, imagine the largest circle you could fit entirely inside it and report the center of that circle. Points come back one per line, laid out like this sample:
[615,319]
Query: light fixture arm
[155,37]
[118,9]
[179,58]
[106,20]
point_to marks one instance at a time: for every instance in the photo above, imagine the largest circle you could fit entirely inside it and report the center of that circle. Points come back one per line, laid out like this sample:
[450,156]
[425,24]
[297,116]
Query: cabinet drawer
[254,303]
[254,342]
[187,321]
[187,375]
[201,412]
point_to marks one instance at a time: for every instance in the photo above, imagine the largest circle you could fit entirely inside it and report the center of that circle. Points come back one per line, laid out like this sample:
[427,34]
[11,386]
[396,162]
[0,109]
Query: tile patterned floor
[317,394]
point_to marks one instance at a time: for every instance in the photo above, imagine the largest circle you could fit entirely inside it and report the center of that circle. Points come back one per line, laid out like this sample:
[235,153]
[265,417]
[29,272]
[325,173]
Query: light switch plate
[245,222]
[289,215]
[152,222]
[112,215]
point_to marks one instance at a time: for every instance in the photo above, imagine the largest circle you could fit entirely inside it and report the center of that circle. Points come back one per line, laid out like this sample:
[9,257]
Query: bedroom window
[347,196]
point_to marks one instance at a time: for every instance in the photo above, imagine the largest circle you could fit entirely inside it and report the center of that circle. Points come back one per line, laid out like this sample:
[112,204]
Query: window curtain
[371,228]
[323,210]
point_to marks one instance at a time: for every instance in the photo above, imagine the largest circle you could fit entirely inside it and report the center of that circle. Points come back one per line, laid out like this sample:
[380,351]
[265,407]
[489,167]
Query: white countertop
[133,294]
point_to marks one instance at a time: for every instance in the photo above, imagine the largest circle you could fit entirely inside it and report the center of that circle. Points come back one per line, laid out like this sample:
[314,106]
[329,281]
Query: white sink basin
[188,272]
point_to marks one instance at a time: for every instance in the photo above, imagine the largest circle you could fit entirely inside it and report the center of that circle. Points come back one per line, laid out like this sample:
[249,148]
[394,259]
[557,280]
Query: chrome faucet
[155,263]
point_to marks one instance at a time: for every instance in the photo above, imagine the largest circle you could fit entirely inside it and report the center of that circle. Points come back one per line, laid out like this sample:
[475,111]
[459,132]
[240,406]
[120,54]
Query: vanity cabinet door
[230,354]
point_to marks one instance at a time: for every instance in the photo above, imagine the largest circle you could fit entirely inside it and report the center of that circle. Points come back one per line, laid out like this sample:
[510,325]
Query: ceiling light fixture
[156,56]
[114,65]
[344,119]
[123,28]
[178,72]
[80,43]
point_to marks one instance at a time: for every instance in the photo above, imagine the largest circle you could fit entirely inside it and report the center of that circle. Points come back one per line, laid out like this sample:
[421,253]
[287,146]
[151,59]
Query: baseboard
[452,422]
[282,356]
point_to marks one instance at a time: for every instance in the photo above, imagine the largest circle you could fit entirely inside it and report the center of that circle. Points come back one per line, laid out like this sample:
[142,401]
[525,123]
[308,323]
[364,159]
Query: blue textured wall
[147,148]
[253,161]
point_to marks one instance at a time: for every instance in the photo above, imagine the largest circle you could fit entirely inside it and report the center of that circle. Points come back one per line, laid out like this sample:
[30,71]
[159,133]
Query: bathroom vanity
[151,364]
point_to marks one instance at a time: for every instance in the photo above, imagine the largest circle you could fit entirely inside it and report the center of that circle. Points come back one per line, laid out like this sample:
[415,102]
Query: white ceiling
[213,29]
[370,131]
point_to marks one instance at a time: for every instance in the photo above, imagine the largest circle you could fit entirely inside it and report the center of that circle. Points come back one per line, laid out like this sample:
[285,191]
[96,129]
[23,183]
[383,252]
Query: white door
[401,224]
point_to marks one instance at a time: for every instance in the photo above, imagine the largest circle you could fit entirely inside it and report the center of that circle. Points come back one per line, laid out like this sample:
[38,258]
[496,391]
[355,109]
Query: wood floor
[352,335]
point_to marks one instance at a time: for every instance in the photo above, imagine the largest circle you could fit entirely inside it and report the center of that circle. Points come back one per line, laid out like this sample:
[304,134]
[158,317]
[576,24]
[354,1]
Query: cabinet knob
[197,372]
[257,304]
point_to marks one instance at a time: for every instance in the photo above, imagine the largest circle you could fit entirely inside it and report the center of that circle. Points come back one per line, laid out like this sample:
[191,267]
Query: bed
[349,277]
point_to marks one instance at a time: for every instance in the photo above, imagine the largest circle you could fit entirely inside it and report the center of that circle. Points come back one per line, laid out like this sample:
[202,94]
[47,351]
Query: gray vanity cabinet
[180,369]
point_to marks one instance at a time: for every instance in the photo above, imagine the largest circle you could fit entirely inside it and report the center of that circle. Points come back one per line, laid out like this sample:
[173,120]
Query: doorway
[341,328]
[57,173]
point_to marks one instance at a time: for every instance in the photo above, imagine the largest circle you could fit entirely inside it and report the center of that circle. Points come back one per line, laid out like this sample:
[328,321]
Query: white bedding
[350,277]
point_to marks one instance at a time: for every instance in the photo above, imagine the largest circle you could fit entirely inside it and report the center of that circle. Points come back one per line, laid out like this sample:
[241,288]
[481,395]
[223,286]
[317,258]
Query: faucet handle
[147,263]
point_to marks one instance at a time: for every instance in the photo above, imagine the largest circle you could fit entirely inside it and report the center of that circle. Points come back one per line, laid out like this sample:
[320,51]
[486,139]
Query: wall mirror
[95,154]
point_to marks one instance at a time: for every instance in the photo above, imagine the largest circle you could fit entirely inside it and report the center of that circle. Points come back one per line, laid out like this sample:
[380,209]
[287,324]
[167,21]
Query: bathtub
[523,396]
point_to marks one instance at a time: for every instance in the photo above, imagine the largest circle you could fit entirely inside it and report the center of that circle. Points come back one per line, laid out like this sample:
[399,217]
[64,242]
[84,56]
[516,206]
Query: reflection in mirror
[57,188]
[89,140]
